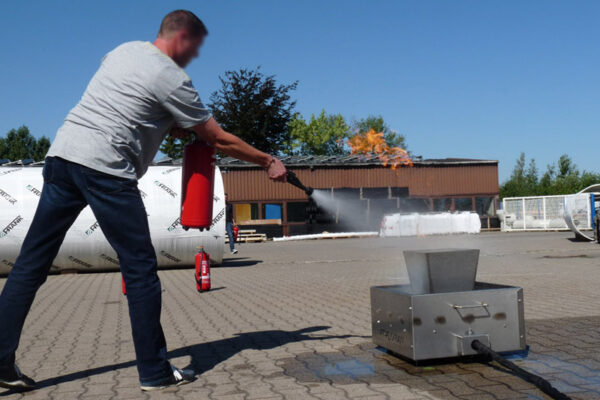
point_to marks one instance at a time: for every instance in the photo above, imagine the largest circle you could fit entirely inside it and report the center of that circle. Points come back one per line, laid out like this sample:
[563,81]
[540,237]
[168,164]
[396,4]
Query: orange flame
[372,142]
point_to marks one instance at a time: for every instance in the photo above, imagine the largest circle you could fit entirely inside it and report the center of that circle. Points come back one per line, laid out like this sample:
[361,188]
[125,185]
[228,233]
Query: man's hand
[276,170]
[180,133]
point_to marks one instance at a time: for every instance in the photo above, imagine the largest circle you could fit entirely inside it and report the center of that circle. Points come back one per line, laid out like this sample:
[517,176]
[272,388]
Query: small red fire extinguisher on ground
[202,271]
[123,285]
[236,230]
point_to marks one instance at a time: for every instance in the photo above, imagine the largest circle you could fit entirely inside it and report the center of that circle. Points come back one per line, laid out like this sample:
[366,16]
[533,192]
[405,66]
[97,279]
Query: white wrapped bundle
[388,224]
[408,225]
[463,222]
[430,224]
[85,247]
[449,223]
[426,224]
[474,225]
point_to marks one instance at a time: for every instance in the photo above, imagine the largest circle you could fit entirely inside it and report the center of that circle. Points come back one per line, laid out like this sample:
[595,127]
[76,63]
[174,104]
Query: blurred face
[185,47]
[226,197]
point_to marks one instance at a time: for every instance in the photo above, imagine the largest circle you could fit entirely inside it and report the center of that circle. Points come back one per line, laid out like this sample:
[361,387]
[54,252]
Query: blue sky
[480,79]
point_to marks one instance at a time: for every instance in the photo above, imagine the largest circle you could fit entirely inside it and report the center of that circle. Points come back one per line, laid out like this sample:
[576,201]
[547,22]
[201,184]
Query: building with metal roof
[363,184]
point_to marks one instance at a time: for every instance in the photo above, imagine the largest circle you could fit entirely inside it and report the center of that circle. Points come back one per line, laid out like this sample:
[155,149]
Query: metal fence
[545,212]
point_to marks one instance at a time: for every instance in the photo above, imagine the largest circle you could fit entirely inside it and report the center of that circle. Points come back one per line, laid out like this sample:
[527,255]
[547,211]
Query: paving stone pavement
[291,320]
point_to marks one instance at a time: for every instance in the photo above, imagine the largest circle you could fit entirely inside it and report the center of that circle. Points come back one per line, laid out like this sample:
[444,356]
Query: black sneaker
[178,378]
[16,380]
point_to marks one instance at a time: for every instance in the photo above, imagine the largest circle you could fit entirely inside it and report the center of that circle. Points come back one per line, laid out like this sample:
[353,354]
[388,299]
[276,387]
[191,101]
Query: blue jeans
[118,207]
[229,226]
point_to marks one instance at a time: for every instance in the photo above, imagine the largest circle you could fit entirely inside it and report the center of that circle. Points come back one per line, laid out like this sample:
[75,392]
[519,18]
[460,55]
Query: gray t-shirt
[130,104]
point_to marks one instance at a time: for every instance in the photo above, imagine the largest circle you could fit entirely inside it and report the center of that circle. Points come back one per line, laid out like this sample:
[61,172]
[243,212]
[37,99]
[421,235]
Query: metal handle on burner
[457,307]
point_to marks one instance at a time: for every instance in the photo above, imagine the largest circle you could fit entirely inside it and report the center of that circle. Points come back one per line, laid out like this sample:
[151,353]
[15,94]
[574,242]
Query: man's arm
[211,132]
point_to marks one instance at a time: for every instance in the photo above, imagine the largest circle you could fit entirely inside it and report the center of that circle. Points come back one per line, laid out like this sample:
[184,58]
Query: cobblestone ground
[292,321]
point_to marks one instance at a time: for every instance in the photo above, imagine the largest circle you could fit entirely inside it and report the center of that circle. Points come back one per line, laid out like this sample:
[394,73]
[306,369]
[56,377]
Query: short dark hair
[182,19]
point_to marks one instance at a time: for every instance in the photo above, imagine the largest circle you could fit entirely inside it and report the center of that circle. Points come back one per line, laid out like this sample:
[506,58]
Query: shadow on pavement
[205,356]
[215,289]
[238,262]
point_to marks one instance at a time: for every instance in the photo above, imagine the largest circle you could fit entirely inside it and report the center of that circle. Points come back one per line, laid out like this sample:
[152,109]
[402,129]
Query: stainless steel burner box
[421,322]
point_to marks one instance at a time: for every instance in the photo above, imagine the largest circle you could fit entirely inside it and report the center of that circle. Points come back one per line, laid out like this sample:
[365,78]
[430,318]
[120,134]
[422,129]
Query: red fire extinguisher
[123,285]
[202,271]
[197,185]
[236,230]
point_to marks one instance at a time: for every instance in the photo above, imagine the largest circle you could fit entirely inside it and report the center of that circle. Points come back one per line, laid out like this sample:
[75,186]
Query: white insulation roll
[85,247]
[429,224]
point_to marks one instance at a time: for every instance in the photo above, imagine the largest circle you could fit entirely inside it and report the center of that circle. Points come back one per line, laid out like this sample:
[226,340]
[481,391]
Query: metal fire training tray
[442,325]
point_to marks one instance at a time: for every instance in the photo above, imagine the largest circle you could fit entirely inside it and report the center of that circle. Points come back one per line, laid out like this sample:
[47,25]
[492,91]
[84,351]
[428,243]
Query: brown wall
[422,181]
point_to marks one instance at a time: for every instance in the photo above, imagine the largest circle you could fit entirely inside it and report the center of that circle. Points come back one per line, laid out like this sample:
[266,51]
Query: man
[106,143]
[229,224]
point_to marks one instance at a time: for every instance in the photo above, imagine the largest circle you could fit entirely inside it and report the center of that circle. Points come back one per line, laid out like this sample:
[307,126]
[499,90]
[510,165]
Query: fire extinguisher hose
[536,380]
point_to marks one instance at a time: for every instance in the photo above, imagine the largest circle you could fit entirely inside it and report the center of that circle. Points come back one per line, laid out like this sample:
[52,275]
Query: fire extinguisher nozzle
[293,180]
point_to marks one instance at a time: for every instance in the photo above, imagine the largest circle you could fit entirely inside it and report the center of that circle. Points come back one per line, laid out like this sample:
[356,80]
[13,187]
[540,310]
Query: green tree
[376,122]
[255,108]
[547,180]
[562,177]
[587,179]
[3,148]
[567,179]
[322,135]
[523,181]
[531,176]
[41,148]
[20,144]
[566,167]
